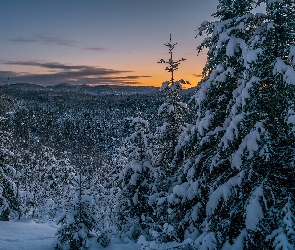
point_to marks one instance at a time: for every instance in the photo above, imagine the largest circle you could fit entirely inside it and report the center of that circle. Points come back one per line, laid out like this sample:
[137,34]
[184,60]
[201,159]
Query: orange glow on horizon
[157,82]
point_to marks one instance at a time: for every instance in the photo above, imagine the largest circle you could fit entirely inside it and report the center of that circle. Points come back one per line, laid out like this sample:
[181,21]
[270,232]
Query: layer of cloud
[96,49]
[73,74]
[53,40]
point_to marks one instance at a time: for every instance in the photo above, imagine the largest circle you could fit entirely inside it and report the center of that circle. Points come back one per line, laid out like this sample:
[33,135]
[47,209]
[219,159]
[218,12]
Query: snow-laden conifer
[241,148]
[79,219]
[136,181]
[206,166]
[172,112]
[8,197]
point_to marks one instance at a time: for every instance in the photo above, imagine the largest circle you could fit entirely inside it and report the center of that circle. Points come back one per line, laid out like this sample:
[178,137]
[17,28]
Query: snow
[281,242]
[254,211]
[223,191]
[250,142]
[292,54]
[252,56]
[238,242]
[288,72]
[275,1]
[205,122]
[233,46]
[206,241]
[26,234]
[232,130]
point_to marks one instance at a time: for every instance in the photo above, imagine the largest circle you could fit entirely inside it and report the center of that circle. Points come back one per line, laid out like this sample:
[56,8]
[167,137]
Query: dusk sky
[48,42]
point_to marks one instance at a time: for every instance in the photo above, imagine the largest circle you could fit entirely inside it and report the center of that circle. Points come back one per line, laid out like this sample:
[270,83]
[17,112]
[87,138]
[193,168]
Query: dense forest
[206,168]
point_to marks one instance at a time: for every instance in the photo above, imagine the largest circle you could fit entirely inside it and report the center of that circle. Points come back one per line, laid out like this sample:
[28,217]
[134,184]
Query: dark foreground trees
[234,187]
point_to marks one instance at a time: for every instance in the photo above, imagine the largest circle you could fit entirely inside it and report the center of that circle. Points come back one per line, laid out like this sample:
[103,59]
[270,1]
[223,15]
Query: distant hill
[99,90]
[81,89]
[104,89]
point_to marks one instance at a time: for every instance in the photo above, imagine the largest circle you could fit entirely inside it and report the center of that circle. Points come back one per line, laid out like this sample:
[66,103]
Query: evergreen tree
[264,148]
[55,177]
[167,135]
[8,199]
[79,218]
[172,113]
[204,166]
[241,152]
[136,181]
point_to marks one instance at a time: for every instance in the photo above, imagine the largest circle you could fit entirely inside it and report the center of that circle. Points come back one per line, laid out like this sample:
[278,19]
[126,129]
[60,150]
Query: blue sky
[99,41]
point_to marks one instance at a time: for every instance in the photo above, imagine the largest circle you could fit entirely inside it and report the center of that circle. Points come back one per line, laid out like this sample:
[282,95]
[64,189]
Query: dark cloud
[59,66]
[196,75]
[56,40]
[6,73]
[73,74]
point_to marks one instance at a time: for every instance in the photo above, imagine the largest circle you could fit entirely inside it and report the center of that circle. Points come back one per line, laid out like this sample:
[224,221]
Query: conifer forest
[209,167]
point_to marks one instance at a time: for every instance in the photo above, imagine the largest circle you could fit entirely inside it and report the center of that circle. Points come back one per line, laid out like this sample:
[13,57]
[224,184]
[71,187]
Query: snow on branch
[223,191]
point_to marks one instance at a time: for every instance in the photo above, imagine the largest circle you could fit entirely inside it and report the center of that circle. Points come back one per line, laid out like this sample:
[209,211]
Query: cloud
[96,49]
[73,74]
[23,40]
[196,75]
[56,40]
[52,65]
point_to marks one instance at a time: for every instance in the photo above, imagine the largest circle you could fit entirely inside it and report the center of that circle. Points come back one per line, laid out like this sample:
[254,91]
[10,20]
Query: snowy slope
[29,235]
[26,235]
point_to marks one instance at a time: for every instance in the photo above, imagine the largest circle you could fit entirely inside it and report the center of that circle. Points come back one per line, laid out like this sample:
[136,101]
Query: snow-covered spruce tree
[172,113]
[136,181]
[165,140]
[8,199]
[79,218]
[260,138]
[223,74]
[55,177]
[243,165]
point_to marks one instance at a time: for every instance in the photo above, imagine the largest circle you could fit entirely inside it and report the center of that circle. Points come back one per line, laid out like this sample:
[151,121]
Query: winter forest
[207,168]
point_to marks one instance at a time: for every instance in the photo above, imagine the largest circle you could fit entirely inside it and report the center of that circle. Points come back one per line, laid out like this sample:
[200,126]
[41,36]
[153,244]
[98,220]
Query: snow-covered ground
[26,235]
[29,235]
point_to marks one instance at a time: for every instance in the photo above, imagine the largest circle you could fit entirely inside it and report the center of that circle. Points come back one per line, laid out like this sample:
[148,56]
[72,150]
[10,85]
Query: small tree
[136,180]
[167,157]
[8,199]
[79,218]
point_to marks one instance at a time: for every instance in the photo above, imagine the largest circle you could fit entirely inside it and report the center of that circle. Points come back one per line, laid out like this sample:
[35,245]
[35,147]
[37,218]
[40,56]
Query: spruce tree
[79,218]
[243,162]
[8,198]
[267,110]
[205,165]
[172,112]
[136,181]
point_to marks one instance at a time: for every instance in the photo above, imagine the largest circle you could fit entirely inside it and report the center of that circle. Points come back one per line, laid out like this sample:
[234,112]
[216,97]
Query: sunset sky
[48,42]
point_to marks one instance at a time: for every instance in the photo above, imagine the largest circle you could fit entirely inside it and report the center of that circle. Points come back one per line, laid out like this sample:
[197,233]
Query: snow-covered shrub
[103,239]
[136,181]
[78,220]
